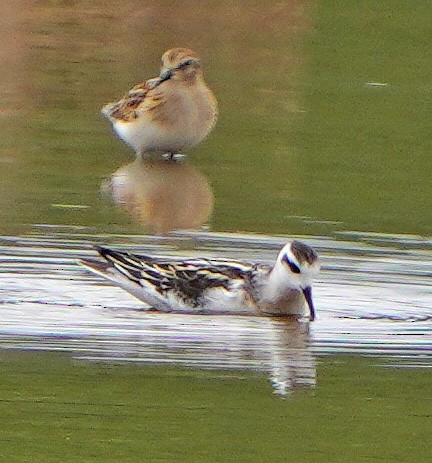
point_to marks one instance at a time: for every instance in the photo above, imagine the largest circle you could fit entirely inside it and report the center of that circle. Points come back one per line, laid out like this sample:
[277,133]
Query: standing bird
[169,113]
[215,285]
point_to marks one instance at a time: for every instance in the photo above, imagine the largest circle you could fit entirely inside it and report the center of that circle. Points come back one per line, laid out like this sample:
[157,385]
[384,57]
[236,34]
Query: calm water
[306,141]
[372,299]
[324,134]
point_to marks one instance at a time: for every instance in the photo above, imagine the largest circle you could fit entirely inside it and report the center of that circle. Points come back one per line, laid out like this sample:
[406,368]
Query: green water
[366,149]
[301,133]
[306,143]
[360,411]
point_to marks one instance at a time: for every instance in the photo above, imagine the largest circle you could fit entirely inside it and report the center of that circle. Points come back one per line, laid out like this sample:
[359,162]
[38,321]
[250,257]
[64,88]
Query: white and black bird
[215,285]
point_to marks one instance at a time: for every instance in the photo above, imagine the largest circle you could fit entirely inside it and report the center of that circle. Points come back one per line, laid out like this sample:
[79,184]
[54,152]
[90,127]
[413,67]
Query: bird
[202,285]
[169,113]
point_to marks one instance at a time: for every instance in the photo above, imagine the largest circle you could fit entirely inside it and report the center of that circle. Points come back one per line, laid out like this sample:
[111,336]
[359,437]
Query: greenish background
[301,134]
[359,412]
[304,144]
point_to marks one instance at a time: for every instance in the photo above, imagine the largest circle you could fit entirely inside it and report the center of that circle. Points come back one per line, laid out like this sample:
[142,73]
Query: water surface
[371,300]
[324,135]
[306,141]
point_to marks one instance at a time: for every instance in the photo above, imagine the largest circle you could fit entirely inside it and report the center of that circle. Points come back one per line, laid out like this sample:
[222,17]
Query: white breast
[141,134]
[228,301]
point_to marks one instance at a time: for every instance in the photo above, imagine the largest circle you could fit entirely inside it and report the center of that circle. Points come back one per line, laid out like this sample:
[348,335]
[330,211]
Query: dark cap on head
[303,253]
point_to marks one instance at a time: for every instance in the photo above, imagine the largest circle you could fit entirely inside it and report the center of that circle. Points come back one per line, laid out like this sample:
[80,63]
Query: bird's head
[298,264]
[180,64]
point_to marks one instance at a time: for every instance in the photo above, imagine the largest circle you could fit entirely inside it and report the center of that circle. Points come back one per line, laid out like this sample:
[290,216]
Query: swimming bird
[169,113]
[215,285]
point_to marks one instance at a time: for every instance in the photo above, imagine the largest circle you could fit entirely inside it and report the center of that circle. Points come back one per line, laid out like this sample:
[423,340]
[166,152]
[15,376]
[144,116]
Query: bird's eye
[294,268]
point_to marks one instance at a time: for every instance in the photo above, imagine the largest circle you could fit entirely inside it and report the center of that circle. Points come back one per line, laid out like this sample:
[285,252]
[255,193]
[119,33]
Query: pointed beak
[194,61]
[308,296]
[165,75]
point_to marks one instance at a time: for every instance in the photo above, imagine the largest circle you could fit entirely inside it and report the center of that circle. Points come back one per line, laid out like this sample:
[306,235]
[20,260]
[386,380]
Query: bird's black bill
[308,296]
[165,75]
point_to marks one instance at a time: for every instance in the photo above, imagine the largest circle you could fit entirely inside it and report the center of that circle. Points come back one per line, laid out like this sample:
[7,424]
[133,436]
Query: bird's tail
[109,109]
[95,266]
[123,269]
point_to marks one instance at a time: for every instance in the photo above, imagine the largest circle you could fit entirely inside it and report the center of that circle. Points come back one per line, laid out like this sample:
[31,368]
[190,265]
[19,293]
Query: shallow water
[323,134]
[372,299]
[306,141]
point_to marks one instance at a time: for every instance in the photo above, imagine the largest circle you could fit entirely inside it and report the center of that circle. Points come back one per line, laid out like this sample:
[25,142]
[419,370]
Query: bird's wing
[142,97]
[189,278]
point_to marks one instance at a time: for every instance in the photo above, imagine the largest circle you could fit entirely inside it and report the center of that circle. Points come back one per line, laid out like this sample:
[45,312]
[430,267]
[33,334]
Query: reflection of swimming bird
[169,113]
[214,285]
[289,358]
[162,195]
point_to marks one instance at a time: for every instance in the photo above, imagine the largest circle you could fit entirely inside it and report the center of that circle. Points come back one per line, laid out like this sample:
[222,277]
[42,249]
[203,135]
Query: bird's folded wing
[140,98]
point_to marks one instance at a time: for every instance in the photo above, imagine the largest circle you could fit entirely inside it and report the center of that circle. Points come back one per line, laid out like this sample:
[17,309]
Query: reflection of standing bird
[169,113]
[162,195]
[213,285]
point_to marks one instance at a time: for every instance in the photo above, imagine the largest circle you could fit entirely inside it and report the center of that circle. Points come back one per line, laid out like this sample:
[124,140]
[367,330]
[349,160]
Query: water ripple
[372,299]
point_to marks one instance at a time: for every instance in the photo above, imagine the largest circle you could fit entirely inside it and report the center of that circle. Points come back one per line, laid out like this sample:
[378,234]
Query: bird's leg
[168,156]
[173,156]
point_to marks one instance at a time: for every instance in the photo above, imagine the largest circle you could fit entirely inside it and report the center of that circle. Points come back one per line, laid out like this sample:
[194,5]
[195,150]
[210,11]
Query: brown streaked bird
[169,113]
[215,285]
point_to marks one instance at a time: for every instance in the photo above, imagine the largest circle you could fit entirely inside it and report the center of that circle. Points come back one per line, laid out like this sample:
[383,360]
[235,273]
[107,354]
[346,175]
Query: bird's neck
[277,284]
[278,295]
